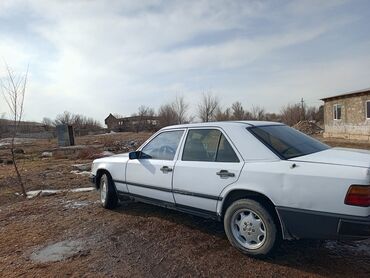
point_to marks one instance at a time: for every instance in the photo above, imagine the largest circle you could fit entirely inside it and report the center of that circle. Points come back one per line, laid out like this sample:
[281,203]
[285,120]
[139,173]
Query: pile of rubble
[308,127]
[124,146]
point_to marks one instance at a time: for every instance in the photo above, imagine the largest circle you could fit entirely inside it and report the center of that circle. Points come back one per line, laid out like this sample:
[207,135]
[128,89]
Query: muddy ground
[70,234]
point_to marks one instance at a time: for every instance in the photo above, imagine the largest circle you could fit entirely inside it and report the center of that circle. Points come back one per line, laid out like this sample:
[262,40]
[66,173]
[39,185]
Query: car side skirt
[300,223]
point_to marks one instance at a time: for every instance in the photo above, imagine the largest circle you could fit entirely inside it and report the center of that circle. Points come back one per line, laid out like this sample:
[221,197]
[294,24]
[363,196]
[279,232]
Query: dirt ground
[70,234]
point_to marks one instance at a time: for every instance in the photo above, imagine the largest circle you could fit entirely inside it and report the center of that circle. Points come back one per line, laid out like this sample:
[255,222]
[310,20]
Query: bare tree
[173,113]
[320,115]
[311,113]
[180,107]
[207,107]
[64,119]
[238,111]
[47,122]
[273,117]
[81,124]
[167,115]
[220,115]
[258,113]
[144,114]
[291,114]
[145,111]
[14,89]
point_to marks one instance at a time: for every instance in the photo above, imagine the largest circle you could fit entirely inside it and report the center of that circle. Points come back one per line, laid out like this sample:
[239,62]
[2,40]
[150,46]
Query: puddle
[352,247]
[57,251]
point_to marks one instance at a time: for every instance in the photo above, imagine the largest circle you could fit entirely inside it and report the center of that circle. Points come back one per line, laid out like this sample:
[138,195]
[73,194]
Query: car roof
[224,124]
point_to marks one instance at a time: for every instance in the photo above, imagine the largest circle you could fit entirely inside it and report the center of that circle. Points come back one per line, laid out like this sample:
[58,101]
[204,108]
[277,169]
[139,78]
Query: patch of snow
[82,167]
[47,154]
[83,173]
[47,192]
[33,194]
[76,204]
[83,189]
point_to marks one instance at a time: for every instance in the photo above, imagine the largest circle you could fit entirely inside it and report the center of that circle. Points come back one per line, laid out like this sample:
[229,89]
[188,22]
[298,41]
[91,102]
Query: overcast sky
[97,57]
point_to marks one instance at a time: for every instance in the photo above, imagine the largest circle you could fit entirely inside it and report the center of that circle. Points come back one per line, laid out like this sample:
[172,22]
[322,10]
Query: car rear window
[287,142]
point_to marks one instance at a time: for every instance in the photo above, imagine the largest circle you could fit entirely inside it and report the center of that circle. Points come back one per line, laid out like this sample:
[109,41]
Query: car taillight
[358,195]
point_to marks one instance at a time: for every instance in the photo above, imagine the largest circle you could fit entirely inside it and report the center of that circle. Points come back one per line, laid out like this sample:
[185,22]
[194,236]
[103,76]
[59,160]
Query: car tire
[108,194]
[250,228]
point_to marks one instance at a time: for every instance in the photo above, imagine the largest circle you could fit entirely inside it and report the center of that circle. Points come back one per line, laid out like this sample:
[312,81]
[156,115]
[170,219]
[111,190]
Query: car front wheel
[108,195]
[250,228]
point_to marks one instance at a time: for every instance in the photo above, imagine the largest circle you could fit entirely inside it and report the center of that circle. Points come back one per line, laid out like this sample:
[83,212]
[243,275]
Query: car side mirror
[134,155]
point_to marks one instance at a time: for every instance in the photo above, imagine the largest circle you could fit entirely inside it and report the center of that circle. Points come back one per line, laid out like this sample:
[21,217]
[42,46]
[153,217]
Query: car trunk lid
[338,156]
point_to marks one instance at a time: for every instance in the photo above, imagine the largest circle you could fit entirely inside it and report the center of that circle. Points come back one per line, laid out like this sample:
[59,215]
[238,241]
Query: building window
[368,109]
[337,111]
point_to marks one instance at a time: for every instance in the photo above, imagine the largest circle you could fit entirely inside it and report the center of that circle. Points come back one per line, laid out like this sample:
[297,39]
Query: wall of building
[111,122]
[25,129]
[353,124]
[134,123]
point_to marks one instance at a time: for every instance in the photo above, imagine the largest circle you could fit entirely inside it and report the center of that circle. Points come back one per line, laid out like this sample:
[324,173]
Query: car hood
[117,157]
[338,156]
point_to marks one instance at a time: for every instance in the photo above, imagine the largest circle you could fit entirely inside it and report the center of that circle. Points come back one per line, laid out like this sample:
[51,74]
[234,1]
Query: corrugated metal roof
[349,94]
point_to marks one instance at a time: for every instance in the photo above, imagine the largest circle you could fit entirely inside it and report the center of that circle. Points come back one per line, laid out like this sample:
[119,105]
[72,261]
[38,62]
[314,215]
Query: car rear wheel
[250,228]
[108,195]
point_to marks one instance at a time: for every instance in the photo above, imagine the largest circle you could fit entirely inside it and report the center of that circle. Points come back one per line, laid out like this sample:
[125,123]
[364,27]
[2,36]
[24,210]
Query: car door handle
[166,169]
[225,174]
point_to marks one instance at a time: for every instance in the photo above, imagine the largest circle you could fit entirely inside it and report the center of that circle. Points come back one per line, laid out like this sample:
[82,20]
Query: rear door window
[208,145]
[225,151]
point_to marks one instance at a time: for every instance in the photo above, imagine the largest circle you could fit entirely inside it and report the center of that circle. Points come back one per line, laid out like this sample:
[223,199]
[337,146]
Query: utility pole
[302,110]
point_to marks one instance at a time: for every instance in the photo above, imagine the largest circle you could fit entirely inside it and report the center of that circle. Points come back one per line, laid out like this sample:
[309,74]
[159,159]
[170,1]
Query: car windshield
[287,142]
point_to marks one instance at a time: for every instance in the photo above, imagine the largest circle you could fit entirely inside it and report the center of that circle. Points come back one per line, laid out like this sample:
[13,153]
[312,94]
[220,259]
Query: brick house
[133,123]
[348,115]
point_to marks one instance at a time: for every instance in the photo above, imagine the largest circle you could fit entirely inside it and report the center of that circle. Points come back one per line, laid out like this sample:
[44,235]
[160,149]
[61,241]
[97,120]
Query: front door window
[163,146]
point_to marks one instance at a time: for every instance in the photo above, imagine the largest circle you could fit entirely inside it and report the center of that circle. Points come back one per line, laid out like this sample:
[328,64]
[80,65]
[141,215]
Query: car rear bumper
[299,223]
[354,228]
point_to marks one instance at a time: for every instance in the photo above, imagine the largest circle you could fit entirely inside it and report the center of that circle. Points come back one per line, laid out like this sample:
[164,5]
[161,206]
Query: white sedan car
[265,181]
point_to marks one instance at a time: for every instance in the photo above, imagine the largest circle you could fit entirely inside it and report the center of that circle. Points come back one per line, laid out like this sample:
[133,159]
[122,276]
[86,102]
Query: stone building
[348,115]
[133,123]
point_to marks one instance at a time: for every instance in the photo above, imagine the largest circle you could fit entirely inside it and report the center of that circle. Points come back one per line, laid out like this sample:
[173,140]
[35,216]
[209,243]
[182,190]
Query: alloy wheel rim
[103,191]
[248,228]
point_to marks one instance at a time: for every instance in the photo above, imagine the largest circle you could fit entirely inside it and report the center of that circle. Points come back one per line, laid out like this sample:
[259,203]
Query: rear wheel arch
[239,194]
